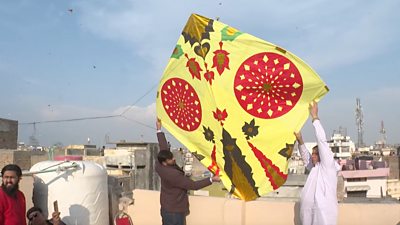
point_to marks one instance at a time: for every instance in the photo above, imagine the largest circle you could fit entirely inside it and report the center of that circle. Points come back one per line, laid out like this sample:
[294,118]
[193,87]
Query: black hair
[33,209]
[164,155]
[12,167]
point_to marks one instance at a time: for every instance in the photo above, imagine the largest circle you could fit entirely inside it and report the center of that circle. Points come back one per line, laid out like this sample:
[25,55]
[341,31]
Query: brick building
[8,134]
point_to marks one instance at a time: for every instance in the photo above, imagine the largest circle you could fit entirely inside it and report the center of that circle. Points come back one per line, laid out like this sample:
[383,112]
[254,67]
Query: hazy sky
[70,59]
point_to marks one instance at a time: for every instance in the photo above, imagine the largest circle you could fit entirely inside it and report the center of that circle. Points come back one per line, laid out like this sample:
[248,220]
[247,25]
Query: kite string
[98,117]
[140,98]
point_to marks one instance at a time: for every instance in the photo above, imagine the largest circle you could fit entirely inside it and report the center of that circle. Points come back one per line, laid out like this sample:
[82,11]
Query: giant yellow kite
[234,101]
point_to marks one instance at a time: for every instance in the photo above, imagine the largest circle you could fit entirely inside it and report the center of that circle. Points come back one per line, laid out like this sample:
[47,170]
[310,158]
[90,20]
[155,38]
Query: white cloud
[148,28]
[136,125]
[327,34]
[347,34]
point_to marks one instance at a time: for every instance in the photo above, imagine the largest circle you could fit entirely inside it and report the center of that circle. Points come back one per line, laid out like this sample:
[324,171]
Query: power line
[97,117]
[145,125]
[69,120]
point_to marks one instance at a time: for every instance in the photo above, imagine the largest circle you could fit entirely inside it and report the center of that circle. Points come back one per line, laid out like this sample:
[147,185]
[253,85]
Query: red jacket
[12,210]
[174,184]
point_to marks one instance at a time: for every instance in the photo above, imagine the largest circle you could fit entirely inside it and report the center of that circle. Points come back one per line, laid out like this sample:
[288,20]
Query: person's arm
[177,179]
[304,153]
[185,182]
[162,141]
[325,154]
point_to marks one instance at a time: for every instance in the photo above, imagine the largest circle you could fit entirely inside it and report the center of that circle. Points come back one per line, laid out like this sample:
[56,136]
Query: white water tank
[79,187]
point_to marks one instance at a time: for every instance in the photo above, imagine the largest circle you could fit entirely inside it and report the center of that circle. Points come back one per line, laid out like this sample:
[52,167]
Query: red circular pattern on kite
[181,103]
[268,85]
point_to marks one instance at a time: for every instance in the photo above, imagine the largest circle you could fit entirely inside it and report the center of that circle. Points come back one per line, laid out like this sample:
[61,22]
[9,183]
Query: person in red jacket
[174,184]
[12,200]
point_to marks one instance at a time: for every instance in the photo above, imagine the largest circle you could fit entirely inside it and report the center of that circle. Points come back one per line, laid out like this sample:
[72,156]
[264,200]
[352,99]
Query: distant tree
[58,143]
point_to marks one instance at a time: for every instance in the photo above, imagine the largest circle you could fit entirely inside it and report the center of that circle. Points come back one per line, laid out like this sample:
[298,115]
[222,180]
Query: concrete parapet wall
[224,211]
[39,157]
[21,158]
[369,214]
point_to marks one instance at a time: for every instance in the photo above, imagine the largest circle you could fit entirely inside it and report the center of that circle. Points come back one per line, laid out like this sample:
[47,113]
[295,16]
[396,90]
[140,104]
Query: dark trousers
[170,218]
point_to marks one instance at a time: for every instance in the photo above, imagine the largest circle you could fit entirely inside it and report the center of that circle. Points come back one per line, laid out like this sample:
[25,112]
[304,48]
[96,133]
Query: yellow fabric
[235,100]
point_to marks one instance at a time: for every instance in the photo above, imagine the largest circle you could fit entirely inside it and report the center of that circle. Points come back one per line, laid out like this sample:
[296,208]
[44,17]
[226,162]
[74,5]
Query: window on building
[358,179]
[357,194]
[335,149]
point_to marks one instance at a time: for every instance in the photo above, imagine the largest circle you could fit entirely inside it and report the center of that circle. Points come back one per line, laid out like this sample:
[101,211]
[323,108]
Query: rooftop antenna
[359,123]
[383,132]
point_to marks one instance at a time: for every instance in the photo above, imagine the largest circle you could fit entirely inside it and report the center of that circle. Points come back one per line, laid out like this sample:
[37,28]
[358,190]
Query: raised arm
[162,141]
[305,154]
[325,154]
[55,219]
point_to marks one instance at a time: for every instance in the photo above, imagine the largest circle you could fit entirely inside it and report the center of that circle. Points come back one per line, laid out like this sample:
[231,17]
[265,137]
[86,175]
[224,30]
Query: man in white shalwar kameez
[318,202]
